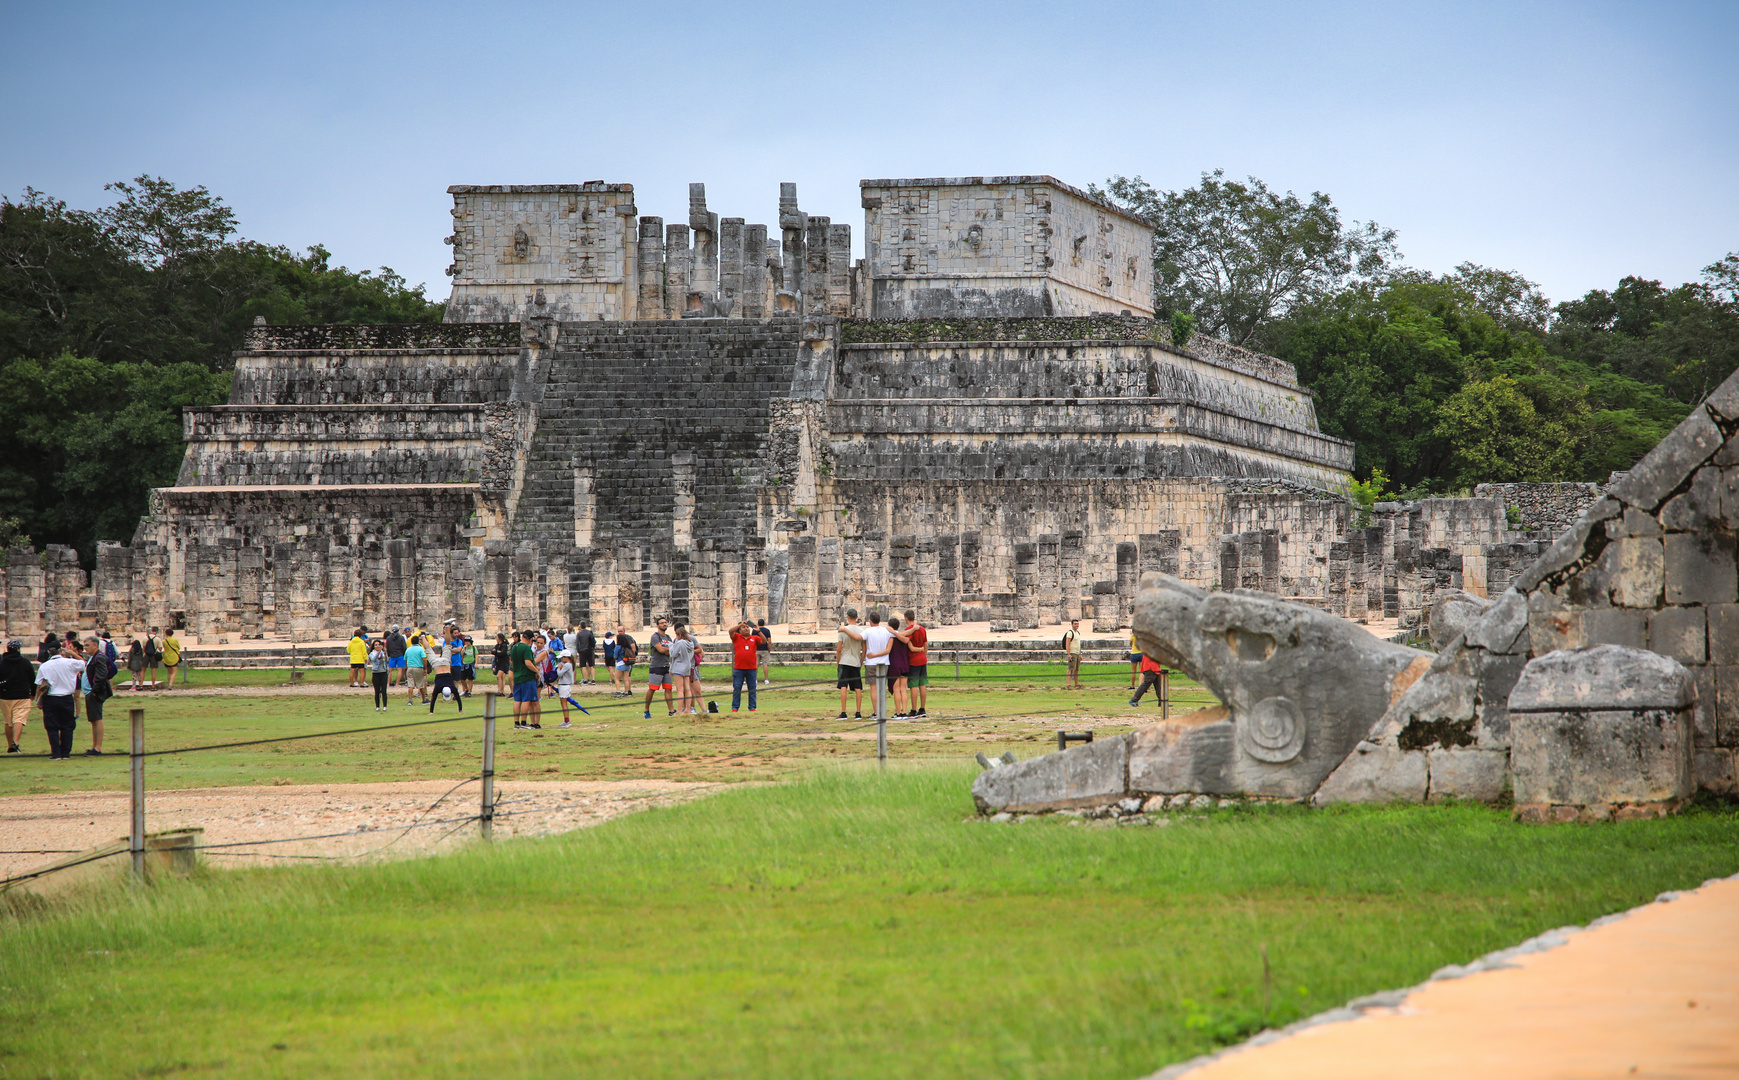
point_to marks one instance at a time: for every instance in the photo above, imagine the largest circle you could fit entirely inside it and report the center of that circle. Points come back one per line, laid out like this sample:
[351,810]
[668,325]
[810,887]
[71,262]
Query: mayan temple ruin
[710,418]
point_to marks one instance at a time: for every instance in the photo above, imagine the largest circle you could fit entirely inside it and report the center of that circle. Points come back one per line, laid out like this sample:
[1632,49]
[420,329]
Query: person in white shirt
[878,642]
[57,686]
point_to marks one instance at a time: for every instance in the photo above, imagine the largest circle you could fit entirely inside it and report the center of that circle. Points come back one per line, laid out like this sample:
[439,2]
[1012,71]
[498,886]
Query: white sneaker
[563,724]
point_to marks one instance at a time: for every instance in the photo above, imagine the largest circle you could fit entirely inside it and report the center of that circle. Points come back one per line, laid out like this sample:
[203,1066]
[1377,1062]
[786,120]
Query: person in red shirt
[918,676]
[745,644]
[1151,675]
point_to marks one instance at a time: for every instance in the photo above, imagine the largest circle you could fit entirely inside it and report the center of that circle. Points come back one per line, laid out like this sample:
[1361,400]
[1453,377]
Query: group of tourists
[71,676]
[432,667]
[902,648]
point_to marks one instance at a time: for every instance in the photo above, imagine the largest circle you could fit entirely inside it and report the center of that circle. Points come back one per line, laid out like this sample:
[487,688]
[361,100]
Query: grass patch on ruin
[850,923]
[995,709]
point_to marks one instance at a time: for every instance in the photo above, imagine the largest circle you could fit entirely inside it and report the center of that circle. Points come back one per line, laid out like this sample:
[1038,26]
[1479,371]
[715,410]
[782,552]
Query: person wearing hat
[17,687]
[395,654]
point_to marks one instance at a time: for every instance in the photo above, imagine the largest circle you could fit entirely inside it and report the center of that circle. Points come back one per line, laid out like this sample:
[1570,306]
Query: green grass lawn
[992,707]
[849,922]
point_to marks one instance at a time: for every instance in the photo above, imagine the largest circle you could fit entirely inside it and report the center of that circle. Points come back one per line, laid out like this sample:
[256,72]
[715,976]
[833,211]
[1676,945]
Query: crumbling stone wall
[1549,508]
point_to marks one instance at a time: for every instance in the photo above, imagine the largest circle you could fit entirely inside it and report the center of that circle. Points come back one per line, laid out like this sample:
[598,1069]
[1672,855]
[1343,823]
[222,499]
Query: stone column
[801,599]
[948,580]
[1339,560]
[1071,557]
[794,225]
[376,612]
[755,569]
[580,587]
[1355,541]
[754,294]
[462,583]
[839,270]
[875,570]
[1270,540]
[527,596]
[307,562]
[1104,614]
[557,611]
[651,268]
[1250,559]
[343,591]
[401,581]
[971,584]
[775,279]
[113,583]
[65,579]
[703,586]
[154,587]
[250,582]
[682,498]
[497,588]
[900,585]
[1004,614]
[730,563]
[851,571]
[1405,594]
[1127,578]
[1374,567]
[204,617]
[630,606]
[1026,593]
[926,580]
[703,295]
[678,271]
[605,585]
[731,267]
[829,588]
[815,298]
[1229,568]
[1049,583]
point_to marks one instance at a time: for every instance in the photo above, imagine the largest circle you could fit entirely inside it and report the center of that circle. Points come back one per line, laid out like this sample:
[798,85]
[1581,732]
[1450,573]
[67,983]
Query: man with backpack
[763,646]
[627,651]
[153,656]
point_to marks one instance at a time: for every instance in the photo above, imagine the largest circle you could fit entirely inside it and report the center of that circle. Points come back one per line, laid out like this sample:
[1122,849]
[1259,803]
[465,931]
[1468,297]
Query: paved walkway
[1653,992]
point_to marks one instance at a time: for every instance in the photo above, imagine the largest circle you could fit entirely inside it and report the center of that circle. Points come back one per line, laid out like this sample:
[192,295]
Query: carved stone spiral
[1272,731]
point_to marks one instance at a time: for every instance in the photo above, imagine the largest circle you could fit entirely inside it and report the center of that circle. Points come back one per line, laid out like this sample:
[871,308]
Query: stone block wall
[578,242]
[1548,508]
[1001,246]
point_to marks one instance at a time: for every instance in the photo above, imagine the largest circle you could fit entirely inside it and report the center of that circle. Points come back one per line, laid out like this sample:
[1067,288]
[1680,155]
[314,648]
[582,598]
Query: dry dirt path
[369,818]
[1651,993]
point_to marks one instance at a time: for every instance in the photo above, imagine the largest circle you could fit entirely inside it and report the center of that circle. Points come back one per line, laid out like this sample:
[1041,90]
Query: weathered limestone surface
[1599,728]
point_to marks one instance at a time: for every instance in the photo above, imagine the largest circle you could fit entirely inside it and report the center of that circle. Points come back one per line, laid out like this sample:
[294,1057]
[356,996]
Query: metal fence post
[486,814]
[882,714]
[1164,695]
[136,837]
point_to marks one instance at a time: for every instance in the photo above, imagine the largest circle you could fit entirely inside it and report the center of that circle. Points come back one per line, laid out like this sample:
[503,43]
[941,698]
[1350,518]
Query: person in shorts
[764,647]
[682,672]
[395,655]
[153,656]
[627,651]
[848,655]
[17,687]
[525,662]
[918,665]
[171,659]
[658,667]
[416,674]
[899,667]
[357,647]
[501,662]
[586,655]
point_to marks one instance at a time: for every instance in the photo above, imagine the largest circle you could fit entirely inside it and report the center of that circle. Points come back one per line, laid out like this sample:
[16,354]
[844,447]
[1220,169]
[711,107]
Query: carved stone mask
[521,242]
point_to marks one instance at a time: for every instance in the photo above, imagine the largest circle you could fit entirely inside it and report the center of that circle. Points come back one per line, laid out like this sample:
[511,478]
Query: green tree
[112,320]
[1236,255]
[1496,435]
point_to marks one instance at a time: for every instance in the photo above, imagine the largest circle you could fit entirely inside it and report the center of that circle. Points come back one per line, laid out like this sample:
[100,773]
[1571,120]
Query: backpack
[153,651]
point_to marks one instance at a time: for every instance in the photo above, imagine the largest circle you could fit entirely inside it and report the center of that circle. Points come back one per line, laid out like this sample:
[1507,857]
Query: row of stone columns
[727,267]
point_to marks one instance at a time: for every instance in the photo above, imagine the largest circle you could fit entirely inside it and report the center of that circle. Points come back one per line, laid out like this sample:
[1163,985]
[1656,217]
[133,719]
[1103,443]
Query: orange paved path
[1652,994]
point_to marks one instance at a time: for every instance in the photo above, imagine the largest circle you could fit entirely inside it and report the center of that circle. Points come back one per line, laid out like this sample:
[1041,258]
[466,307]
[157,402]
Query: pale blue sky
[1575,142]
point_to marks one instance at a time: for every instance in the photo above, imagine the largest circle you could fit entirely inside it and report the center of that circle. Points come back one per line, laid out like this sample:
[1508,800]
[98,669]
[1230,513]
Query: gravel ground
[370,819]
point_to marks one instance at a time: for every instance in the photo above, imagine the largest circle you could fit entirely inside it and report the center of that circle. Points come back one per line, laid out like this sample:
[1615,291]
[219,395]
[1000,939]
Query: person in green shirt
[526,661]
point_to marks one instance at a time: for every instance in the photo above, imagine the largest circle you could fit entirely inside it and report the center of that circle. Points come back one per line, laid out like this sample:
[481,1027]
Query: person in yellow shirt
[1134,662]
[358,649]
[171,657]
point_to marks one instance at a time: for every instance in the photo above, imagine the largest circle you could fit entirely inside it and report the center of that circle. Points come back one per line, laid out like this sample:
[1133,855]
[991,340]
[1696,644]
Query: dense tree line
[112,320]
[1442,381]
